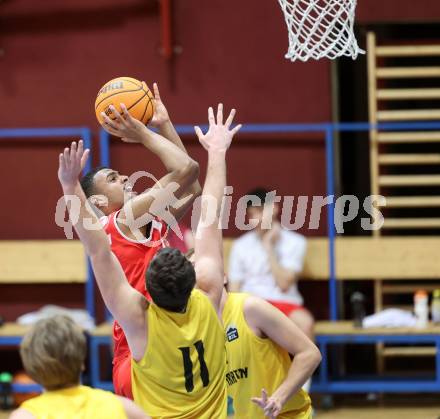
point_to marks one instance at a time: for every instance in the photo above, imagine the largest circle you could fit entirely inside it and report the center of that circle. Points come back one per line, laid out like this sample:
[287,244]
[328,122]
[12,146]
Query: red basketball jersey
[134,257]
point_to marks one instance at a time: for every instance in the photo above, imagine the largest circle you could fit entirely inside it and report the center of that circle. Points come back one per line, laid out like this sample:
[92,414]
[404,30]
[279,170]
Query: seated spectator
[53,354]
[267,261]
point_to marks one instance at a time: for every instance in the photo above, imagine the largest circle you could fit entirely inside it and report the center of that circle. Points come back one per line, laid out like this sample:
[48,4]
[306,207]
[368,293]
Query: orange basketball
[135,95]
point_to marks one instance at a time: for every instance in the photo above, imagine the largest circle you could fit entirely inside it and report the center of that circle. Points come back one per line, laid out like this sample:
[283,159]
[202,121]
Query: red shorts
[286,308]
[122,376]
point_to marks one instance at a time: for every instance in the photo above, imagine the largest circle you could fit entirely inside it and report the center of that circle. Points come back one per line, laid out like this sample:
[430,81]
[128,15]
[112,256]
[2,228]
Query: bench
[12,333]
[343,332]
[42,262]
[37,262]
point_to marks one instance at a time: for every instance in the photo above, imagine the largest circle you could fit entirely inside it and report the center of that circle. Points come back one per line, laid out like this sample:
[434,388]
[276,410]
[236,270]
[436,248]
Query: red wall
[55,62]
[373,11]
[58,55]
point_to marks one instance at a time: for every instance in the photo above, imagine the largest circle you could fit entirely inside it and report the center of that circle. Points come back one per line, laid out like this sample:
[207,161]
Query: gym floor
[402,412]
[387,406]
[381,413]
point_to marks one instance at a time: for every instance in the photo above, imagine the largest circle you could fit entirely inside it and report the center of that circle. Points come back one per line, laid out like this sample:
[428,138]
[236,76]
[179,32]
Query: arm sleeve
[293,252]
[236,271]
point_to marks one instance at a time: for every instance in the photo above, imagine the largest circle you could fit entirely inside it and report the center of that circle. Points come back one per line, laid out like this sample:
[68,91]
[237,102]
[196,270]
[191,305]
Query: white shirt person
[267,262]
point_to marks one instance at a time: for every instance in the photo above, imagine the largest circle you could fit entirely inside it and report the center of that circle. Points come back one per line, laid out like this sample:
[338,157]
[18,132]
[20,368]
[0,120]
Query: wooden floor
[403,412]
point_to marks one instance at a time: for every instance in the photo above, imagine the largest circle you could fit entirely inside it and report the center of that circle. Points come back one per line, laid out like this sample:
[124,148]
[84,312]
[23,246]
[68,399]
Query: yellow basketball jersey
[255,363]
[182,373]
[76,402]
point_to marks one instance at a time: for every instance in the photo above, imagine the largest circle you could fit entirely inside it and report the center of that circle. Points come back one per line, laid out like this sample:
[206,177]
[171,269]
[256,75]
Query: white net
[320,28]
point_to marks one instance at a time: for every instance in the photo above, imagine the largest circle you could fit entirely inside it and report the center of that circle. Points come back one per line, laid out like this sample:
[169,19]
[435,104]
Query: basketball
[134,94]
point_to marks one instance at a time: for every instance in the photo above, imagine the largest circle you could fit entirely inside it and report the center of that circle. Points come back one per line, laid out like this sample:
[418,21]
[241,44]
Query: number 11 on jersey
[188,366]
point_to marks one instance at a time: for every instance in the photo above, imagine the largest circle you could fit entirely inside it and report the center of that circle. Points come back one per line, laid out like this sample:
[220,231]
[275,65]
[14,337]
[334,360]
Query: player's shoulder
[97,393]
[236,298]
[200,304]
[256,312]
[104,220]
[106,399]
[107,220]
[237,295]
[199,297]
[253,305]
[198,294]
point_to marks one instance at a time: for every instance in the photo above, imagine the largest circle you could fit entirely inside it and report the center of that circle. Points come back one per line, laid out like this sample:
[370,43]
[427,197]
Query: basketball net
[320,28]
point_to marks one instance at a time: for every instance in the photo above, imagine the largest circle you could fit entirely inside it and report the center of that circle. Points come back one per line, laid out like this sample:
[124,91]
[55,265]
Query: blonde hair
[53,352]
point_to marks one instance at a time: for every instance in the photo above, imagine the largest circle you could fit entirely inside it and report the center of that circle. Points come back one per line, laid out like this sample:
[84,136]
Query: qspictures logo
[295,212]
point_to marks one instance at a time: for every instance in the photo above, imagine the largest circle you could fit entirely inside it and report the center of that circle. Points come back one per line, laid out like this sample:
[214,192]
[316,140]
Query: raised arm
[208,248]
[271,323]
[182,172]
[124,302]
[162,121]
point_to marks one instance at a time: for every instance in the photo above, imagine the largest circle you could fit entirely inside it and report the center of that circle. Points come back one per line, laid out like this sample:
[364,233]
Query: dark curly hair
[170,278]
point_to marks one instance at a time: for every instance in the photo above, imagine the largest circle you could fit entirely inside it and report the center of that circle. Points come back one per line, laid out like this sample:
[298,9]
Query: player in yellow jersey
[53,354]
[259,339]
[177,341]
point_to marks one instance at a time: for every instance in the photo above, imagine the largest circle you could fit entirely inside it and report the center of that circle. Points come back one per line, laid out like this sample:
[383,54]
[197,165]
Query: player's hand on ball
[129,129]
[160,115]
[71,163]
[219,136]
[271,405]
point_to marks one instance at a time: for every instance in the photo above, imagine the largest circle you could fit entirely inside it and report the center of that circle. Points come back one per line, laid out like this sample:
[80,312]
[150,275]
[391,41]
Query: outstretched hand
[129,129]
[219,136]
[160,116]
[71,163]
[271,406]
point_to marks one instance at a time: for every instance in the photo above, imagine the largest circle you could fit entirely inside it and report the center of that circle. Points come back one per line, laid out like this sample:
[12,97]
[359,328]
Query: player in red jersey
[135,245]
